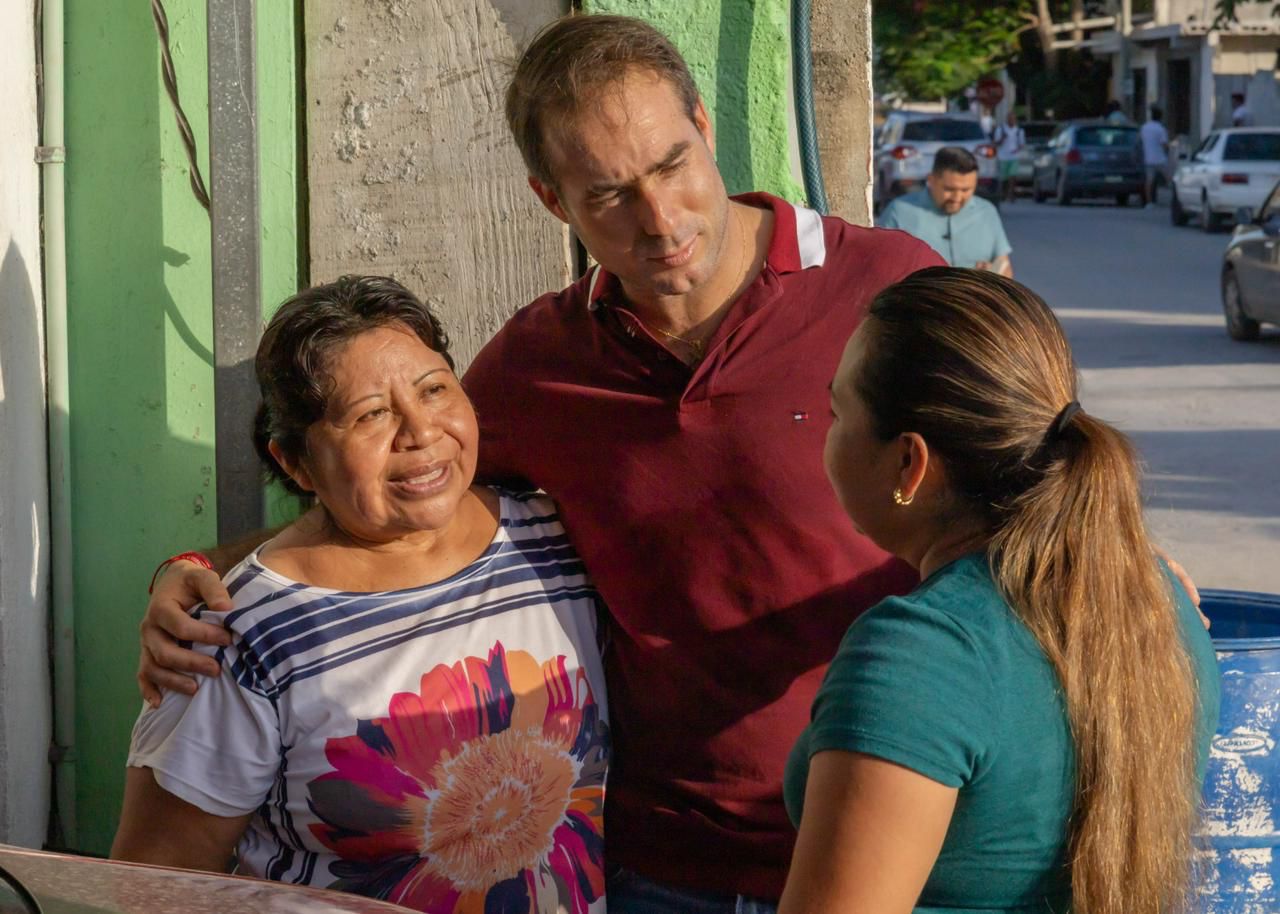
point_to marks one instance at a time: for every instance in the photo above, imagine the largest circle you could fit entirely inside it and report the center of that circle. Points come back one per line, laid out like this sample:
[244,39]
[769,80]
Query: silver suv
[909,140]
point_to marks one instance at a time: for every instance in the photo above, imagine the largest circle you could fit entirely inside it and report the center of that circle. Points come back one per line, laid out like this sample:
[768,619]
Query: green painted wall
[139,293]
[738,53]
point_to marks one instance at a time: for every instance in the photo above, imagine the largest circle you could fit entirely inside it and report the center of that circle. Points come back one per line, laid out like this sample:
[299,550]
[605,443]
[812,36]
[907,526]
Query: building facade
[1171,55]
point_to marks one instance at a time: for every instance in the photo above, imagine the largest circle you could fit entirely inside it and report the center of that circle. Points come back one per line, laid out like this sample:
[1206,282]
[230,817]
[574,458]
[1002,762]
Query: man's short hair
[1156,112]
[956,159]
[568,65]
[1237,96]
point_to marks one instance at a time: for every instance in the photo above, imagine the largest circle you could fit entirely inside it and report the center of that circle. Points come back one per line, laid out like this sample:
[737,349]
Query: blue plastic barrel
[1240,835]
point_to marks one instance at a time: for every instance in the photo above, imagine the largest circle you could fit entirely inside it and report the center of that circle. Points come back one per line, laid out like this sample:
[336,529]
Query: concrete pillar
[1202,104]
[24,562]
[844,104]
[412,172]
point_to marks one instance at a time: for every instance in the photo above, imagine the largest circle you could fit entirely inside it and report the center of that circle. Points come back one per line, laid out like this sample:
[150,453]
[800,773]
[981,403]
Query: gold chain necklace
[698,347]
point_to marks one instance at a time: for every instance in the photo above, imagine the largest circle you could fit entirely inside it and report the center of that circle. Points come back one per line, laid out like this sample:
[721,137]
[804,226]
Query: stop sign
[990,92]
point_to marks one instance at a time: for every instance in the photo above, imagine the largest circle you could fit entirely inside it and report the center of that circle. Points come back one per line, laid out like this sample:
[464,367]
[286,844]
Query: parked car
[909,140]
[1251,270]
[34,881]
[1233,168]
[1038,134]
[1089,159]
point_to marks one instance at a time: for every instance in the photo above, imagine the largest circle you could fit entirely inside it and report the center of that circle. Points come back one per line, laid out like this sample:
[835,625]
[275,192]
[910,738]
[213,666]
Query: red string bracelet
[196,557]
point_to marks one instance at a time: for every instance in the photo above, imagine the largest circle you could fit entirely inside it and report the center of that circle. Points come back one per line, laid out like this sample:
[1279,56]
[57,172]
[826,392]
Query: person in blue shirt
[965,230]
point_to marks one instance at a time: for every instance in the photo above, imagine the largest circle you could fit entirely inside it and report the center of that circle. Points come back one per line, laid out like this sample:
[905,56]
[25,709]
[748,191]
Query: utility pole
[237,259]
[1124,26]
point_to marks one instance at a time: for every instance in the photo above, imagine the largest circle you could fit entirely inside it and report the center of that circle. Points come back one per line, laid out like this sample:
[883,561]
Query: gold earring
[900,499]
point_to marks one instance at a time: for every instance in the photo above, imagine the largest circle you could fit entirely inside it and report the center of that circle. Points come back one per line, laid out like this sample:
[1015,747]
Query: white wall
[1247,64]
[1246,54]
[24,561]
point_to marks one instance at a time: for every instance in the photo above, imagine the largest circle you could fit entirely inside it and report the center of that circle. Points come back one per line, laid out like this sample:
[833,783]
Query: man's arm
[162,664]
[226,556]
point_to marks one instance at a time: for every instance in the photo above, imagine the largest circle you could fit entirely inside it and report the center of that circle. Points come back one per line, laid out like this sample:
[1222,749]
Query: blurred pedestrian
[1155,153]
[1241,116]
[1009,140]
[966,230]
[987,120]
[1115,114]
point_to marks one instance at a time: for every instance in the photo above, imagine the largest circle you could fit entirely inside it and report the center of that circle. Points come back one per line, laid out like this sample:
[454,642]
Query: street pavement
[1139,300]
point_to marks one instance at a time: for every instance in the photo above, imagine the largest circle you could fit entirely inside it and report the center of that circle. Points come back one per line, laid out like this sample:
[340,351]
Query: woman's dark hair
[292,364]
[980,368]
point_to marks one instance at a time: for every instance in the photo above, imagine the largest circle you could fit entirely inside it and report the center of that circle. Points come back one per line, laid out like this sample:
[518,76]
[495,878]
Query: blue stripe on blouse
[293,643]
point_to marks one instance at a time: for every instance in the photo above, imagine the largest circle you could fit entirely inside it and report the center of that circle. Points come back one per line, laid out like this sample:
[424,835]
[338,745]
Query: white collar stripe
[591,288]
[809,238]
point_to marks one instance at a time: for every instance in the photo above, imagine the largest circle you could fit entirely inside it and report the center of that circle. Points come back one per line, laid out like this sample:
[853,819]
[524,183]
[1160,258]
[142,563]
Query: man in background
[964,229]
[1155,153]
[1115,114]
[1009,139]
[1241,116]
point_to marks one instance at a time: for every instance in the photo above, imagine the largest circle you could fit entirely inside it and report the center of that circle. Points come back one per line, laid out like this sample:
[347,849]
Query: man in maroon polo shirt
[674,403]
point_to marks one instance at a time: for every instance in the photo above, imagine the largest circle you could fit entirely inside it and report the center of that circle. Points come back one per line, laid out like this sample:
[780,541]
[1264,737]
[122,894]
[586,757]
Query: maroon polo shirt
[698,500]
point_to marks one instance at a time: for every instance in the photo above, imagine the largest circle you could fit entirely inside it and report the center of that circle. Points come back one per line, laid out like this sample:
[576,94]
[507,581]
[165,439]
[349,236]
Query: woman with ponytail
[1027,730]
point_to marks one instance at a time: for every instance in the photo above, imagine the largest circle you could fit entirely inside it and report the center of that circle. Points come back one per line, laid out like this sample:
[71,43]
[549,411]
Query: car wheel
[1122,199]
[1063,197]
[1037,194]
[1239,325]
[1177,215]
[1209,220]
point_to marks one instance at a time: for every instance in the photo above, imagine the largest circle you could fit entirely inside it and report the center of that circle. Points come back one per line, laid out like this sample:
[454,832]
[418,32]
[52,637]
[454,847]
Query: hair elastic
[1063,419]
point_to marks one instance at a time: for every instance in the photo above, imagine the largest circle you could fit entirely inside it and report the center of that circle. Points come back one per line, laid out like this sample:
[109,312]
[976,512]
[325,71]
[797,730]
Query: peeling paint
[1240,784]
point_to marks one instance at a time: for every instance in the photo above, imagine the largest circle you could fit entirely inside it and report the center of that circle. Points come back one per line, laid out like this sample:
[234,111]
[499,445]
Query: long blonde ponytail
[979,366]
[1074,560]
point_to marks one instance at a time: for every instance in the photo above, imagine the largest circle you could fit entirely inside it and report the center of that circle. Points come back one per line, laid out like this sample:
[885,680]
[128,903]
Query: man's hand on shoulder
[1184,578]
[162,663]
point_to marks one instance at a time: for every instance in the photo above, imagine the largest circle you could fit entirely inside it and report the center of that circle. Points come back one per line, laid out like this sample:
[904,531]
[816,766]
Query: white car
[1233,168]
[909,140]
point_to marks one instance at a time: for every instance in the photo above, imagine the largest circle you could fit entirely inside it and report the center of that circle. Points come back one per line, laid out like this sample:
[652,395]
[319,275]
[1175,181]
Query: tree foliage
[936,49]
[1226,10]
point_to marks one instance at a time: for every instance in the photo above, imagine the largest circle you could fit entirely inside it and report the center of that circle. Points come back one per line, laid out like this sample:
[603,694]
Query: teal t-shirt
[974,234]
[948,682]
